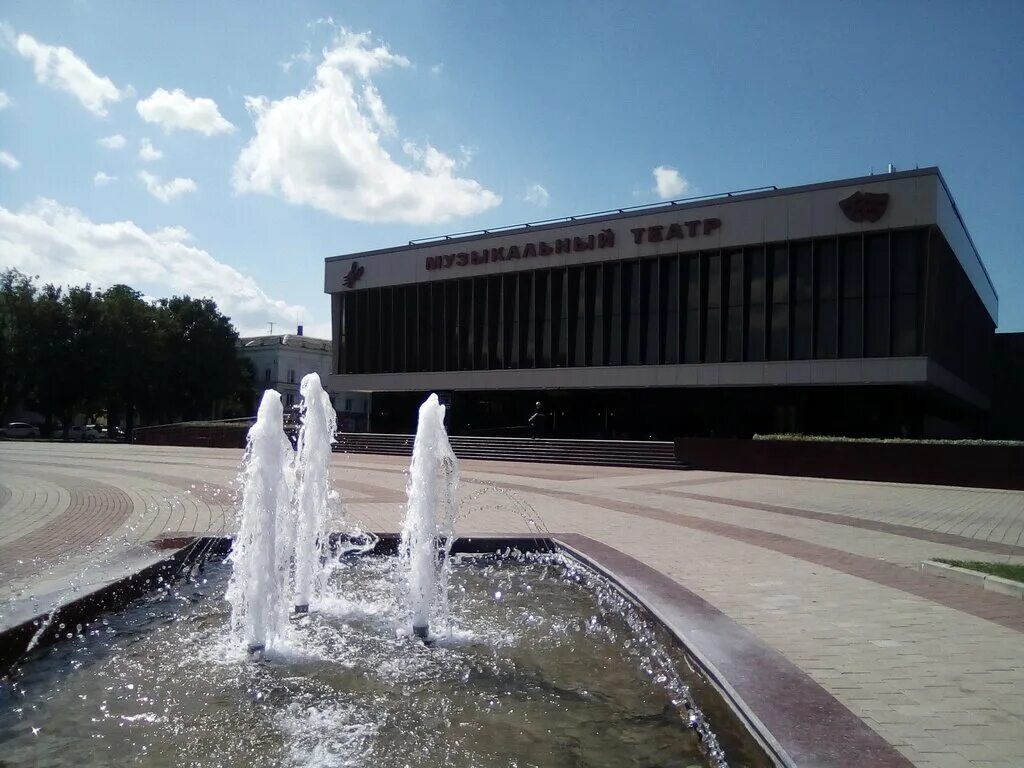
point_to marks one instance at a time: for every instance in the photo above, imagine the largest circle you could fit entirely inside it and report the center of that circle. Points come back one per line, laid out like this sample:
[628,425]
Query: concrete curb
[986,581]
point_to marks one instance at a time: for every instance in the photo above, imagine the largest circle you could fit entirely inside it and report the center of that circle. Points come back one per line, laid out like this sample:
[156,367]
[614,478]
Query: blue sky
[307,129]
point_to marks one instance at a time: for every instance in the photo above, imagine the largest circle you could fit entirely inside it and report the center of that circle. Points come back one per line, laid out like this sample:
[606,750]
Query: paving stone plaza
[826,572]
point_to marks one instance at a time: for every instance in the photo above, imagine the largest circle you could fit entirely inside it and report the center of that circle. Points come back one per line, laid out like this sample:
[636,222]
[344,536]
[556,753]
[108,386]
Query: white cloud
[9,161]
[147,152]
[668,183]
[165,191]
[437,69]
[117,141]
[5,100]
[323,148]
[305,56]
[59,68]
[176,110]
[537,195]
[63,246]
[101,179]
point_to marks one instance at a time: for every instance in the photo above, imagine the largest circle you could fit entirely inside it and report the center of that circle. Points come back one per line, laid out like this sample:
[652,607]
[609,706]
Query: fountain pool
[543,663]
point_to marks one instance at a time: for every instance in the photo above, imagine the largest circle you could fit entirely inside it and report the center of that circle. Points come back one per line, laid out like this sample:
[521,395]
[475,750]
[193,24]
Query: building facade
[858,306]
[279,362]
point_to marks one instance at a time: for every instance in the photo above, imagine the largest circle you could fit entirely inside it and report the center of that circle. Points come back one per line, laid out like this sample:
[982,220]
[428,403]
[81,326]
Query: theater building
[855,307]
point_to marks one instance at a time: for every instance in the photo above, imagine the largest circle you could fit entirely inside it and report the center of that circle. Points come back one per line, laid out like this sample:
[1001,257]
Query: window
[756,293]
[907,254]
[266,374]
[802,271]
[826,296]
[594,310]
[689,292]
[733,263]
[289,400]
[876,258]
[778,347]
[291,375]
[851,261]
[712,264]
[348,404]
[668,315]
[612,314]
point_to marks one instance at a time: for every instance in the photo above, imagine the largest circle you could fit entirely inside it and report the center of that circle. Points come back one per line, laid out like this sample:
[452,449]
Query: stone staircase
[610,453]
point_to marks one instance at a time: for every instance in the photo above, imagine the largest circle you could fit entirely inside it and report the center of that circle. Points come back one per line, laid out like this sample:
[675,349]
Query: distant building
[280,361]
[858,306]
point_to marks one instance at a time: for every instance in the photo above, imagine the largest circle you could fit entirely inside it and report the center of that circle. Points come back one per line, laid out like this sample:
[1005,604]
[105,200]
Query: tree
[17,304]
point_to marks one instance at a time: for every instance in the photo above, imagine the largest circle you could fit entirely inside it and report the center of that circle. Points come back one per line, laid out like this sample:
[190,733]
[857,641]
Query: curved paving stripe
[908,531]
[1005,611]
[95,510]
[5,495]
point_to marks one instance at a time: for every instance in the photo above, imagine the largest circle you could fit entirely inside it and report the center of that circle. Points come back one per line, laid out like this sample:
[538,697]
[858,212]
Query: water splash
[429,519]
[261,552]
[312,492]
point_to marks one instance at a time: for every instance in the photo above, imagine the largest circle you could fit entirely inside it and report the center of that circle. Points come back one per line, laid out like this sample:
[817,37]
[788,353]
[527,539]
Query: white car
[86,433]
[19,429]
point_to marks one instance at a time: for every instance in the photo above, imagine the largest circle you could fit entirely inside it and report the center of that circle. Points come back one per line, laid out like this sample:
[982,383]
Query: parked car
[19,429]
[87,433]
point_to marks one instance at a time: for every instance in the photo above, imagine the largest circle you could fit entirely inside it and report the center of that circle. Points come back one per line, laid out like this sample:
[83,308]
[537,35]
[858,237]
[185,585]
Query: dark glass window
[668,287]
[756,296]
[733,262]
[650,353]
[509,322]
[387,335]
[398,323]
[411,327]
[908,255]
[559,319]
[481,359]
[425,326]
[876,258]
[576,314]
[778,346]
[527,328]
[802,270]
[351,333]
[826,276]
[712,268]
[542,313]
[851,319]
[594,279]
[689,292]
[495,357]
[367,331]
[613,314]
[632,312]
[439,322]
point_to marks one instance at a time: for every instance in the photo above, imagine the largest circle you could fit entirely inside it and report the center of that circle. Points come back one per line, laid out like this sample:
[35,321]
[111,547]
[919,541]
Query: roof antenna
[271,328]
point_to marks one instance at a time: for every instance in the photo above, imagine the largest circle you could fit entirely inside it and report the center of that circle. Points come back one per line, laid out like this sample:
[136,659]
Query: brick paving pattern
[823,571]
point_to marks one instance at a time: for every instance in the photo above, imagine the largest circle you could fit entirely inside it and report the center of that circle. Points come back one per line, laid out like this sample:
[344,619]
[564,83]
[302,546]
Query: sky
[225,149]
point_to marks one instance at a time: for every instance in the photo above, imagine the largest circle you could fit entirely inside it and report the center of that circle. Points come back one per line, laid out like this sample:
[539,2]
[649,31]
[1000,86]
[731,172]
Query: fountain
[429,518]
[259,558]
[312,486]
[533,658]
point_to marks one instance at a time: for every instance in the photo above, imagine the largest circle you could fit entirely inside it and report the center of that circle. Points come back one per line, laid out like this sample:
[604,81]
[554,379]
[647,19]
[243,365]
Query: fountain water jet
[261,552]
[429,517]
[312,476]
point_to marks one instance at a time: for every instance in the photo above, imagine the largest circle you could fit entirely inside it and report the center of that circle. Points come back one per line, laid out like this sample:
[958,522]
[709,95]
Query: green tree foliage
[84,351]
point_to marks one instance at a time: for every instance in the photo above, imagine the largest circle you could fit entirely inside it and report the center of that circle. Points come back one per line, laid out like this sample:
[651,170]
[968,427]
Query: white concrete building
[280,361]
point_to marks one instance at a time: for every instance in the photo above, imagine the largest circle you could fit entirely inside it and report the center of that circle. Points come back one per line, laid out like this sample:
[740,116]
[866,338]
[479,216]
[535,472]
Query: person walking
[538,422]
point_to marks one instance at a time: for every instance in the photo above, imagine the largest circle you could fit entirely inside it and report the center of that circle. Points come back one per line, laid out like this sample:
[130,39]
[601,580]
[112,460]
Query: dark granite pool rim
[797,722]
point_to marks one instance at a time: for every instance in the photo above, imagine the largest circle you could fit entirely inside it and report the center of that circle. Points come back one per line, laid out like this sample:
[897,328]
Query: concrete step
[621,453]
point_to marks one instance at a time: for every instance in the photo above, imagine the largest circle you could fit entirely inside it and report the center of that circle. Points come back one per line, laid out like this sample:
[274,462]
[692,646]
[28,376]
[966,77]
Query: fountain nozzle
[304,608]
[421,632]
[256,648]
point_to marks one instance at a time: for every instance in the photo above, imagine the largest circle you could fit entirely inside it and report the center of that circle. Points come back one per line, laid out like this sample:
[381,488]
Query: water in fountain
[312,475]
[261,552]
[429,519]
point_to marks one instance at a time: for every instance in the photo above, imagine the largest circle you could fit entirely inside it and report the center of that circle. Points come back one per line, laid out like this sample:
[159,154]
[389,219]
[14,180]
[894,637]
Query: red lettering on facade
[606,238]
[448,259]
[654,234]
[710,225]
[638,235]
[675,232]
[462,259]
[529,251]
[583,243]
[513,252]
[497,254]
[563,245]
[545,249]
[692,227]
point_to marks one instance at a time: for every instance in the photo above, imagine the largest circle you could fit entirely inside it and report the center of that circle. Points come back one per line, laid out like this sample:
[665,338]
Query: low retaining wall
[975,466]
[192,435]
